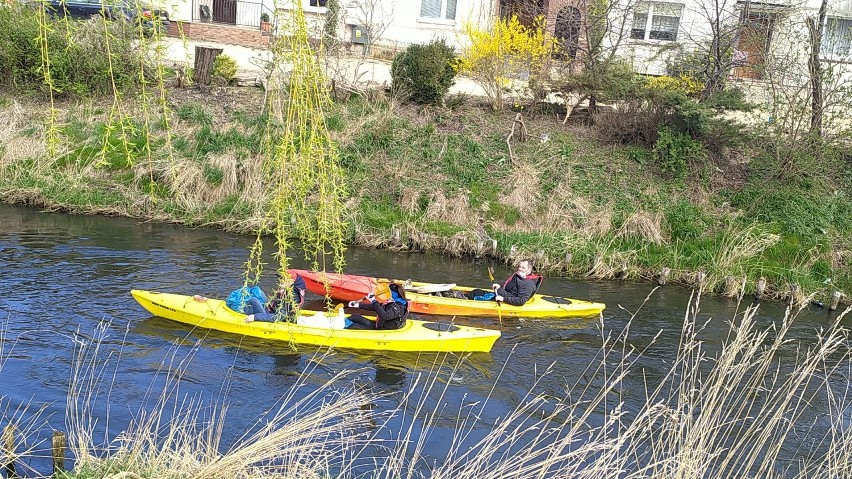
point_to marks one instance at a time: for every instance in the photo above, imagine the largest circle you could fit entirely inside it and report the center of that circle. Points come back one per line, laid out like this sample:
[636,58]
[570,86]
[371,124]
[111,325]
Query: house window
[318,3]
[656,21]
[438,9]
[837,38]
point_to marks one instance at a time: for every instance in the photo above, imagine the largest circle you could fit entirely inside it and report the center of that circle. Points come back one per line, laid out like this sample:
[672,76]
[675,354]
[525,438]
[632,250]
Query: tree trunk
[204,58]
[815,69]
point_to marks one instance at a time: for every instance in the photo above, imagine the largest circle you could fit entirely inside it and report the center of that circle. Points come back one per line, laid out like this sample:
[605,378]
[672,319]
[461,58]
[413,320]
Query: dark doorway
[526,10]
[225,11]
[567,32]
[753,44]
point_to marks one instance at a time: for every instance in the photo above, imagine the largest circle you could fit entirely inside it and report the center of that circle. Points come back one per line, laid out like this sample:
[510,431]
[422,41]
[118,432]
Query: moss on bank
[446,180]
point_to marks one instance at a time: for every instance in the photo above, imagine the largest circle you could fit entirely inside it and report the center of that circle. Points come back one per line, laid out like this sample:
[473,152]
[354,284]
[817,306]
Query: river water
[63,274]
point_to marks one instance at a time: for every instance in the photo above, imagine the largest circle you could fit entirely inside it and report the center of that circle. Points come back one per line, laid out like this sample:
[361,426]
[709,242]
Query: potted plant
[265,26]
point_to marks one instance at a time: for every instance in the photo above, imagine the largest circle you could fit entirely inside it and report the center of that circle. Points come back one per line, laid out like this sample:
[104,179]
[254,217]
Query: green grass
[194,114]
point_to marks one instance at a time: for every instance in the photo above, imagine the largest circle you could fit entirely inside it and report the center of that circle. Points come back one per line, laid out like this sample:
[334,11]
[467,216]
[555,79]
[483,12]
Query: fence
[229,12]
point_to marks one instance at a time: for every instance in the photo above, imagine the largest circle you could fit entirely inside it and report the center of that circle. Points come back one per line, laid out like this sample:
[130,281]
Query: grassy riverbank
[444,179]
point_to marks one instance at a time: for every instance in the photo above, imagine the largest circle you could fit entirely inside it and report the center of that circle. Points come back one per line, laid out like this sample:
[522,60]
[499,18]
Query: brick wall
[213,32]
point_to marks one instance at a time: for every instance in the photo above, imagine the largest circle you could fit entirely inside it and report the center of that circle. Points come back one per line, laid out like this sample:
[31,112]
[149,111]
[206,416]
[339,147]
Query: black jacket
[517,291]
[389,315]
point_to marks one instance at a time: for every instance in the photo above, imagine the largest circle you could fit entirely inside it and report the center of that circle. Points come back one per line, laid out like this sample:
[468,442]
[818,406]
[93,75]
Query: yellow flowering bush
[507,51]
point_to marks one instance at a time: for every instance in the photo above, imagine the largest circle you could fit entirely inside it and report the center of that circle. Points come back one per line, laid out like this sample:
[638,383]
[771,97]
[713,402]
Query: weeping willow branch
[306,180]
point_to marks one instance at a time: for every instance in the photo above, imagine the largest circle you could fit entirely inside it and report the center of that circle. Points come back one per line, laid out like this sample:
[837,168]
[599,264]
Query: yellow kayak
[414,336]
[446,299]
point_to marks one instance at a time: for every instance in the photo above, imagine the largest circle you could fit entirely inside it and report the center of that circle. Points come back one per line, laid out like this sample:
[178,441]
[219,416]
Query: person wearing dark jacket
[389,304]
[280,306]
[517,290]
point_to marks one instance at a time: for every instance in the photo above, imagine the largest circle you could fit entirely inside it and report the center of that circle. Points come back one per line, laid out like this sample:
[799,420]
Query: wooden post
[794,293]
[397,235]
[204,58]
[835,300]
[58,452]
[568,258]
[493,247]
[9,451]
[760,288]
[730,285]
[664,276]
[700,277]
[512,251]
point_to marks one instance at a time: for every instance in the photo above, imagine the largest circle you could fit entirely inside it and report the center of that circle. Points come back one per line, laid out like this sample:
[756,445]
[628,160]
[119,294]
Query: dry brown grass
[304,436]
[643,226]
[14,145]
[14,117]
[522,188]
[455,210]
[715,414]
[738,246]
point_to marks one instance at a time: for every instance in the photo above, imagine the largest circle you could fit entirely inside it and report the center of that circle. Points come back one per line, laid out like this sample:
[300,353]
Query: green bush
[424,73]
[78,65]
[225,68]
[673,151]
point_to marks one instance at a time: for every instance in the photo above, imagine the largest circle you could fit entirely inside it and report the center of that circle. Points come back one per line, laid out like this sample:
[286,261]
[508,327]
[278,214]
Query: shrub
[633,122]
[674,150]
[225,68]
[424,73]
[78,65]
[506,51]
[684,84]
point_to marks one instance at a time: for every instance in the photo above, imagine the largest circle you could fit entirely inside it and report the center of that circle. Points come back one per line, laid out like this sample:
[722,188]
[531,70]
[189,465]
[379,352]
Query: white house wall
[405,25]
[178,11]
[649,56]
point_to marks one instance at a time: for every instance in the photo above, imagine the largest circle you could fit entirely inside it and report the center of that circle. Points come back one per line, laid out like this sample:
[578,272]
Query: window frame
[831,55]
[441,19]
[306,5]
[649,21]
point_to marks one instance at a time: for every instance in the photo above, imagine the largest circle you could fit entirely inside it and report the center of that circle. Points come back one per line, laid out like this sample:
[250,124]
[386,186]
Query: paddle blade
[491,273]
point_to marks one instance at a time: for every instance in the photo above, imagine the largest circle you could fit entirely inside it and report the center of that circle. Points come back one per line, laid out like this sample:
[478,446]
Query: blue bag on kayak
[238,298]
[485,297]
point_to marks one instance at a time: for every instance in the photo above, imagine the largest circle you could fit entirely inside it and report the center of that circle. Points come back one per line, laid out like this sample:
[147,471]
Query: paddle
[499,306]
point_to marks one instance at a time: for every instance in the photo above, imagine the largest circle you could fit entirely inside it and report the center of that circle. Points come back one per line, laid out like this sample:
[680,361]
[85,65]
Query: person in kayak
[389,304]
[517,290]
[279,305]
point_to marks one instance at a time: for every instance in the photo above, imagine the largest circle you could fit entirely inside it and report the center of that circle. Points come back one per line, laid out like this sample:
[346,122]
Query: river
[63,274]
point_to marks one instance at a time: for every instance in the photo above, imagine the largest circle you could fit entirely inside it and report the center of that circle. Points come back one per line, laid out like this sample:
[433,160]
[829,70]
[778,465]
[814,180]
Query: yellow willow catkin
[44,29]
[144,95]
[116,110]
[301,162]
[310,179]
[165,109]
